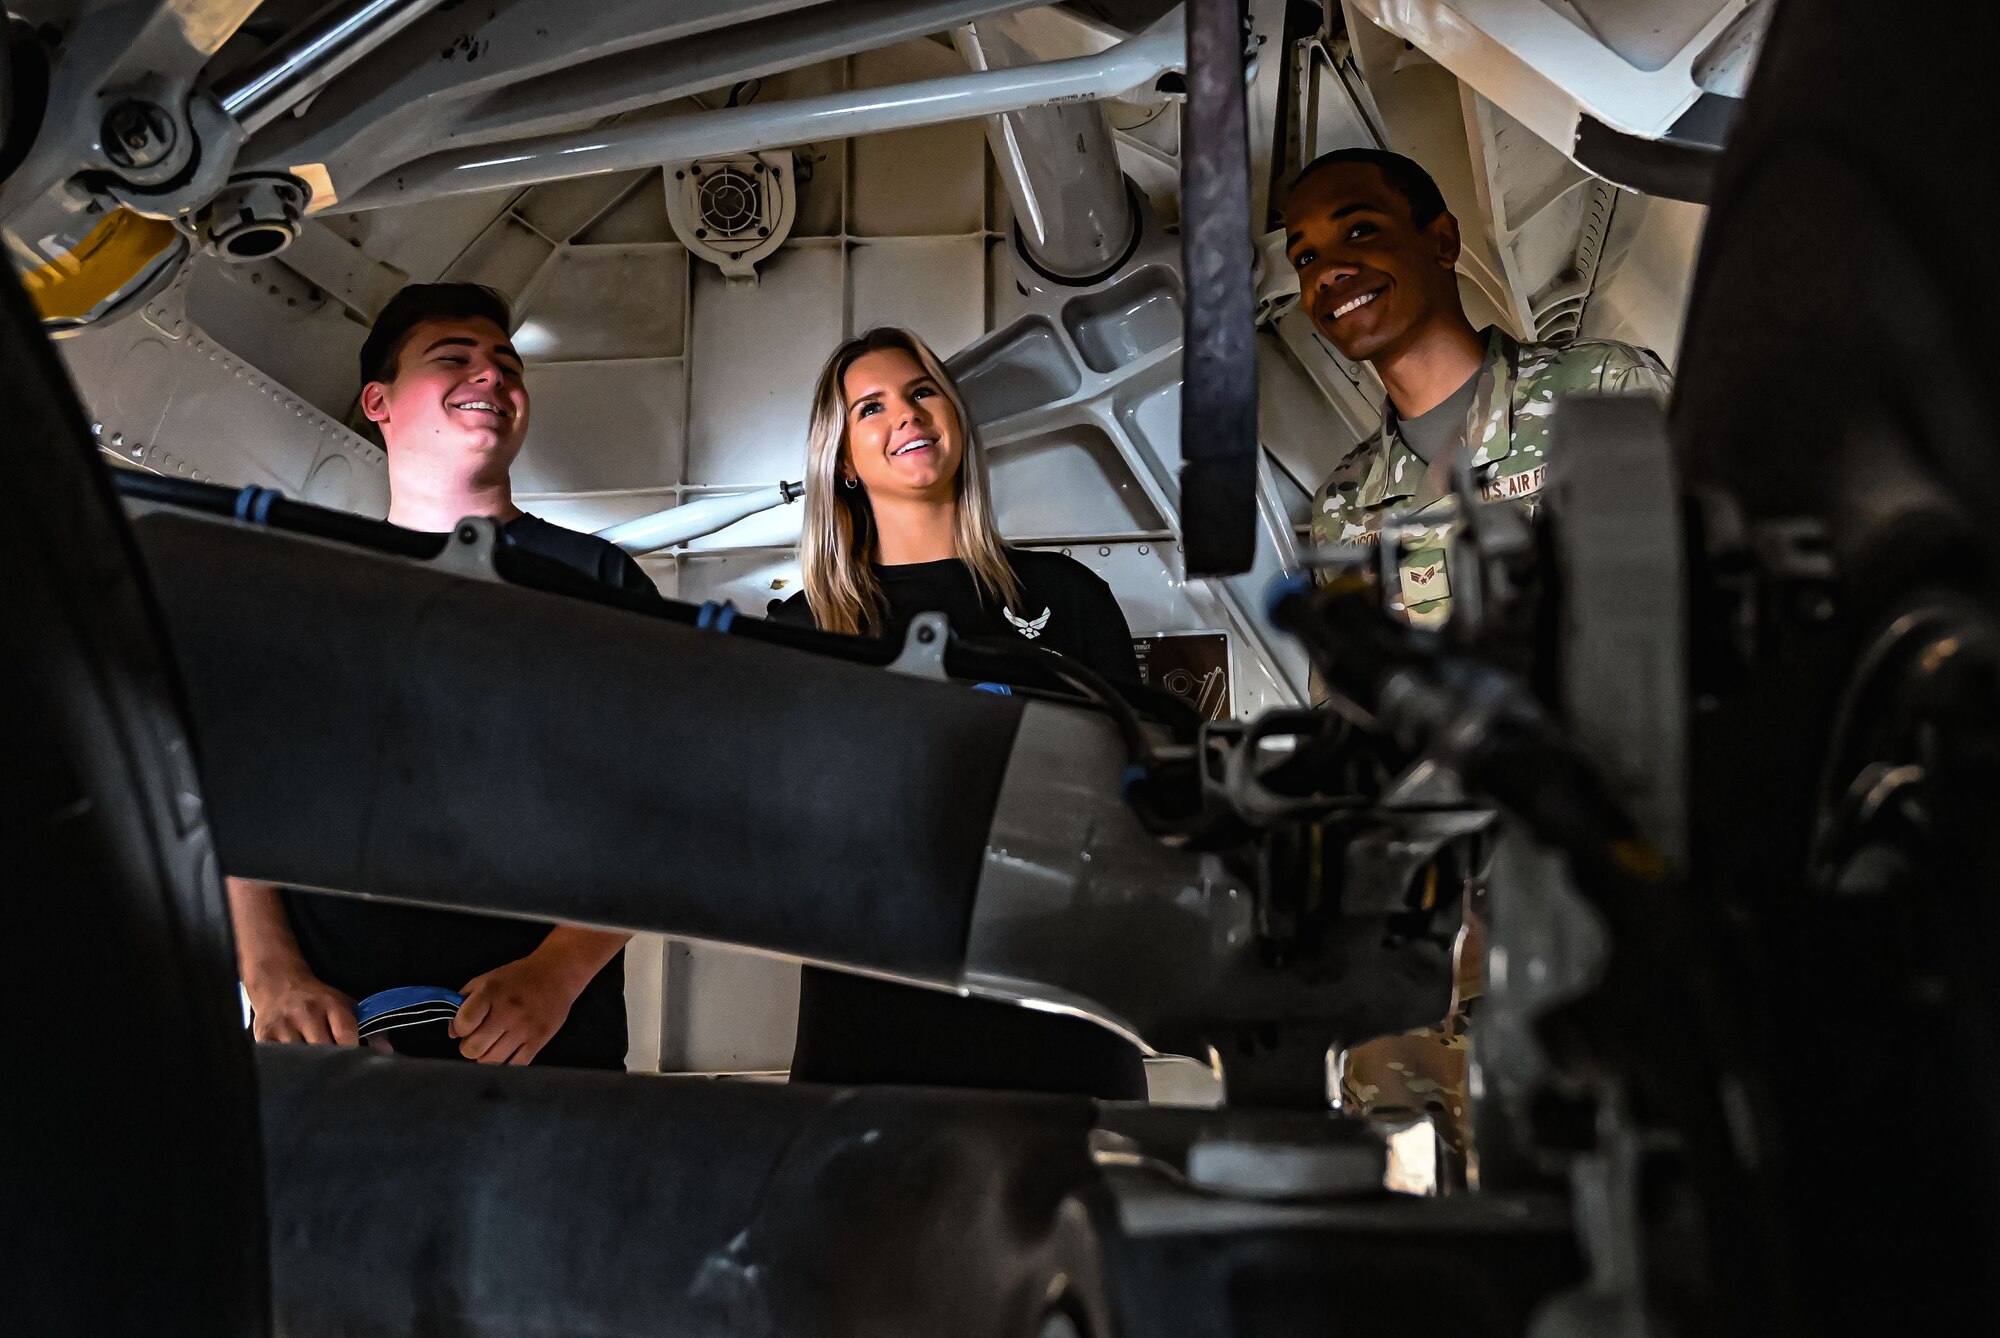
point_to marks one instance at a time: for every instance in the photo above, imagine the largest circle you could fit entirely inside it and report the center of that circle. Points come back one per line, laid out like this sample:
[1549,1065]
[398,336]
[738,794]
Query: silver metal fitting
[923,647]
[1260,1168]
[254,216]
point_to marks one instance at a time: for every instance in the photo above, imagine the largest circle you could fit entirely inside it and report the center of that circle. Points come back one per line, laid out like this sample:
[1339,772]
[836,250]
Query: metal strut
[313,55]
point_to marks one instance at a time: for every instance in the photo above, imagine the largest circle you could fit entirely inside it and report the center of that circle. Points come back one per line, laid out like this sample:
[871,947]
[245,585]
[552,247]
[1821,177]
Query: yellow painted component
[206,24]
[316,176]
[110,256]
[1638,858]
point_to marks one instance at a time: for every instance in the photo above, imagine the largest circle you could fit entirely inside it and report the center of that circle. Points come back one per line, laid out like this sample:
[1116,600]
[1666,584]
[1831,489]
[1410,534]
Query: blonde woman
[899,521]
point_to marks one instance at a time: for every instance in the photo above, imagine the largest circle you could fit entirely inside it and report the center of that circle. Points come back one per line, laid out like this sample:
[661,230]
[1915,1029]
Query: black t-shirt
[361,947]
[604,562]
[857,1029]
[1064,606]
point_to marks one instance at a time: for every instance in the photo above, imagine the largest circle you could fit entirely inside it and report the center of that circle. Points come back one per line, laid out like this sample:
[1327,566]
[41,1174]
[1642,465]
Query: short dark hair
[1404,176]
[422,302]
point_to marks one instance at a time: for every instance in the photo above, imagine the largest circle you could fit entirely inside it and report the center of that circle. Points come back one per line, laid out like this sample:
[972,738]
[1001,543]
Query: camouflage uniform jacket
[1507,430]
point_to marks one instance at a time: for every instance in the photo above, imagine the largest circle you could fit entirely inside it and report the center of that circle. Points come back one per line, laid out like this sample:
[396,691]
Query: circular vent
[732,212]
[731,202]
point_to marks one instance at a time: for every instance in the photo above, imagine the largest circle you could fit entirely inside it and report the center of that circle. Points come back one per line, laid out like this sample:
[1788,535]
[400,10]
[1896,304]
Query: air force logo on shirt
[1027,628]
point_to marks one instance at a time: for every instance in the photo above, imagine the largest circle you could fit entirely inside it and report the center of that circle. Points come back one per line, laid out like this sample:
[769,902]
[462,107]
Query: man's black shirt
[857,1029]
[605,563]
[360,947]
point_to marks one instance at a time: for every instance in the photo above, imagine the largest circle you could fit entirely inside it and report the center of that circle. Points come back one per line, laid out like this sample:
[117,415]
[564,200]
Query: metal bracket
[469,551]
[923,648]
[1382,864]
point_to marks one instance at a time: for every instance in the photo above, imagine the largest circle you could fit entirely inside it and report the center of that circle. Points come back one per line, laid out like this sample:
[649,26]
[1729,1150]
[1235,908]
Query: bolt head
[137,134]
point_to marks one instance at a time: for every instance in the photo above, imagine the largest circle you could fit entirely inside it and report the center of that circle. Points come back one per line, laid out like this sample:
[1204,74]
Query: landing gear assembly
[1731,786]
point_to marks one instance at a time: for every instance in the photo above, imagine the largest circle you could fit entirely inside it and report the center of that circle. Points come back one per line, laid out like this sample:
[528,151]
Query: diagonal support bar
[1131,64]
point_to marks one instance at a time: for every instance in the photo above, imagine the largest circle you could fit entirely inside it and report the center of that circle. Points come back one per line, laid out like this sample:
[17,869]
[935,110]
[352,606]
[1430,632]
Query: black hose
[1028,667]
[277,511]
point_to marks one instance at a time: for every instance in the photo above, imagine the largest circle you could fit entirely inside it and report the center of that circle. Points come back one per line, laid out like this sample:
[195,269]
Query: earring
[852,482]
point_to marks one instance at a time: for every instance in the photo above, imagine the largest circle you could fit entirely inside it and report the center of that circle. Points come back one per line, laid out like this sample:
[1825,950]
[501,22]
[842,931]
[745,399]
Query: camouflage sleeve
[1626,370]
[1325,505]
[1333,506]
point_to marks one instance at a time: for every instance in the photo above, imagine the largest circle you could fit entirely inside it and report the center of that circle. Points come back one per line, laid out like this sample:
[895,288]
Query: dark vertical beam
[1219,366]
[132,1180]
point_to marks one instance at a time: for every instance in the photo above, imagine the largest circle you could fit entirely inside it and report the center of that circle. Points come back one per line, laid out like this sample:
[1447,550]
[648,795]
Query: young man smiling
[1376,253]
[444,385]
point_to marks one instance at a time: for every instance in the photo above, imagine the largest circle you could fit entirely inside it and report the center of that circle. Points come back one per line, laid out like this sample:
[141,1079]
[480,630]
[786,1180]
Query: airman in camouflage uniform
[1507,431]
[1376,252]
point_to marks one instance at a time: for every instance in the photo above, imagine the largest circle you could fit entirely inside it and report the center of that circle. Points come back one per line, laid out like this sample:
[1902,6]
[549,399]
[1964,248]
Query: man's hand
[302,1007]
[510,1013]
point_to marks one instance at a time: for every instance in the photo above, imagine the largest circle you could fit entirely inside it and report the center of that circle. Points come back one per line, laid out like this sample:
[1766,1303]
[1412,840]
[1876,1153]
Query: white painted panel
[603,425]
[1303,433]
[640,217]
[299,335]
[934,287]
[1123,323]
[1148,581]
[1155,418]
[925,182]
[599,302]
[1071,482]
[1294,497]
[918,183]
[820,167]
[423,240]
[1645,275]
[821,173]
[645,973]
[728,1011]
[750,580]
[561,209]
[507,256]
[1032,368]
[756,353]
[1175,1081]
[1007,301]
[188,407]
[666,574]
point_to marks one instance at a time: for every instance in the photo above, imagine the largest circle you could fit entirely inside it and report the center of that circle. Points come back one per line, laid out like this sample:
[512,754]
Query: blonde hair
[839,543]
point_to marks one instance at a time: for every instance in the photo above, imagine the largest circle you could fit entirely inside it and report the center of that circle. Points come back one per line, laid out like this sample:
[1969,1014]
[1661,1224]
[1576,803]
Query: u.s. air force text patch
[1523,484]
